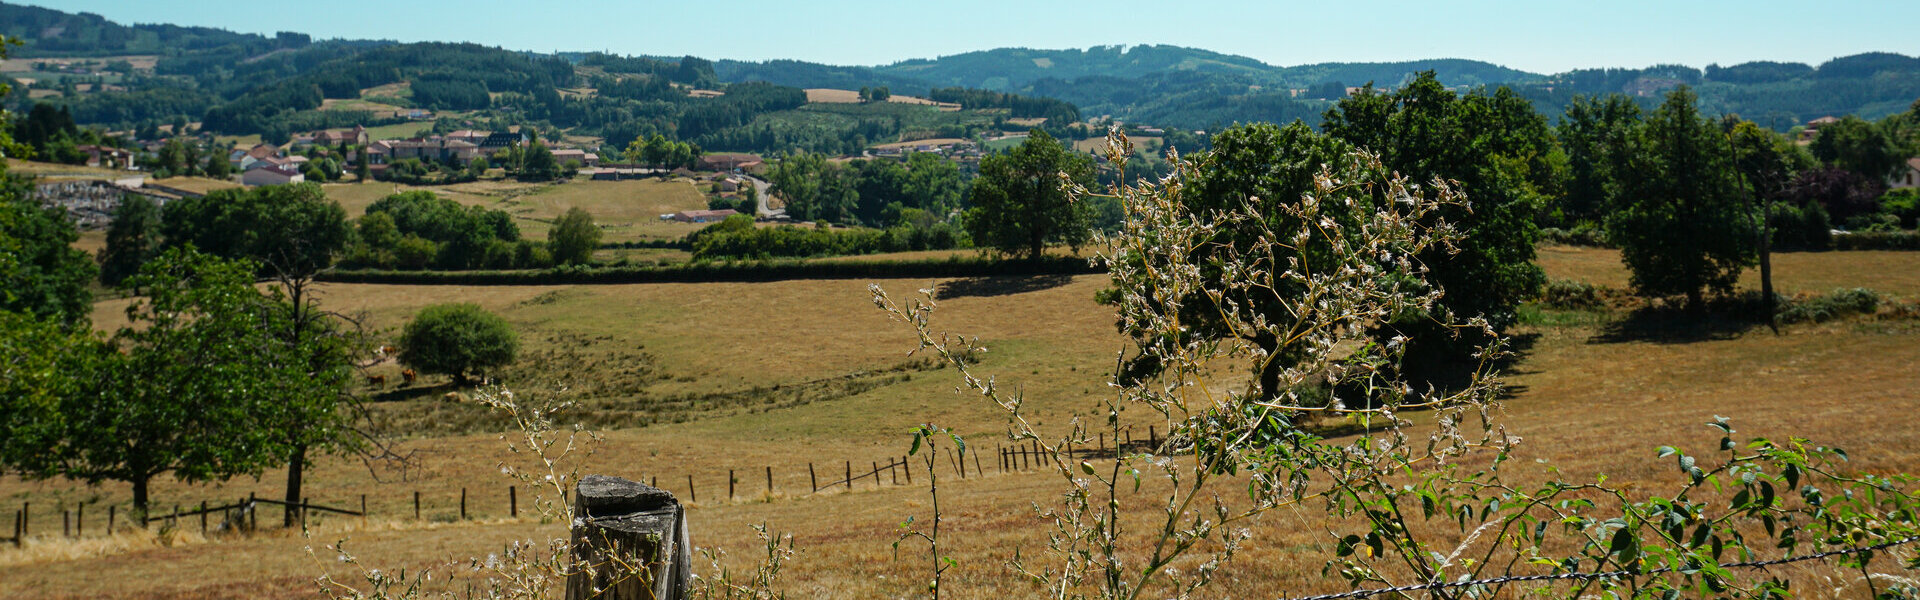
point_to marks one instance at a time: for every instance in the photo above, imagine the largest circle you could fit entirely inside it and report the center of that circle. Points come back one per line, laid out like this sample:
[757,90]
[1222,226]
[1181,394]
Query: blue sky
[1534,36]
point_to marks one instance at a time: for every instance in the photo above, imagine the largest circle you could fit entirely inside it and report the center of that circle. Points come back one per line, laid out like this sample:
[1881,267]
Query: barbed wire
[1601,575]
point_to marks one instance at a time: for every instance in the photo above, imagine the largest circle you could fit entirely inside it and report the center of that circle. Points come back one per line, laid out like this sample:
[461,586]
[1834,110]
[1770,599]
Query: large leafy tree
[1680,217]
[194,386]
[41,274]
[574,237]
[1268,171]
[1021,200]
[132,238]
[457,339]
[291,232]
[1496,149]
[1587,132]
[1859,146]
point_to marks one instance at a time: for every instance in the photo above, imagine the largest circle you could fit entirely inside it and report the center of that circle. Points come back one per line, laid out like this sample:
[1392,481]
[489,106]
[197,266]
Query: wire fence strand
[1601,575]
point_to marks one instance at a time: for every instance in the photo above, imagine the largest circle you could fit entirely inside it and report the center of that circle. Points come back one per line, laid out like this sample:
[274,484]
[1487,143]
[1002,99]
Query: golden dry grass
[625,210]
[60,171]
[1888,272]
[833,96]
[1583,404]
[139,62]
[199,185]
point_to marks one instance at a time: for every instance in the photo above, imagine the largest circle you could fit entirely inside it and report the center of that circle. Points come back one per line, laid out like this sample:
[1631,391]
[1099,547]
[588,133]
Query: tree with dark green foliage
[41,274]
[291,233]
[1588,132]
[1021,201]
[1496,148]
[1263,169]
[538,164]
[457,339]
[1859,146]
[574,237]
[194,386]
[1679,215]
[132,238]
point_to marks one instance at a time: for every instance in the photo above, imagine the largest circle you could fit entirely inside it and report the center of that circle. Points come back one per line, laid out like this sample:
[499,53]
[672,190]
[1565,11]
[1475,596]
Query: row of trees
[866,192]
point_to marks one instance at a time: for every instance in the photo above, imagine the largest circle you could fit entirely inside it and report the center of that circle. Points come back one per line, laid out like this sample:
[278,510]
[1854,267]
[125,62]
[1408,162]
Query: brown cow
[408,376]
[377,380]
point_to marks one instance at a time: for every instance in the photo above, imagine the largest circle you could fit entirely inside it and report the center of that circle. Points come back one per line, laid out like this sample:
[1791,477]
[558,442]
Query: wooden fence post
[849,476]
[976,465]
[691,494]
[812,480]
[66,523]
[79,519]
[253,511]
[730,480]
[876,473]
[627,522]
[463,504]
[513,501]
[769,481]
[363,508]
[1152,441]
[203,517]
[893,471]
[112,510]
[416,505]
[26,517]
[1103,443]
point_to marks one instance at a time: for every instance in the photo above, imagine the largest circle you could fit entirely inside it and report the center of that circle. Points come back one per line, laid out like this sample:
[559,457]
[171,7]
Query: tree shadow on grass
[1000,286]
[412,392]
[1666,323]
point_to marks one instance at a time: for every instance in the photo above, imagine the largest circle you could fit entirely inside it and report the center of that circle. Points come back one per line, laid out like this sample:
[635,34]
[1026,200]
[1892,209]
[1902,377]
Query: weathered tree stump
[630,542]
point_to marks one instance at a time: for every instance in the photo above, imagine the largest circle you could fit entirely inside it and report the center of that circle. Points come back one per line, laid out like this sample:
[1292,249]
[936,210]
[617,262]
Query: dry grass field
[624,210]
[1585,402]
[918,143]
[833,96]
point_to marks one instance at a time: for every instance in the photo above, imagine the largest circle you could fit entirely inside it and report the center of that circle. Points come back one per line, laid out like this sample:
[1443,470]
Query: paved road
[760,187]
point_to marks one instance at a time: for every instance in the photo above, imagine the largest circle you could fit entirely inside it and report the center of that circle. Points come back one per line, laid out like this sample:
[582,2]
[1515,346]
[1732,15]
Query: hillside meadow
[780,375]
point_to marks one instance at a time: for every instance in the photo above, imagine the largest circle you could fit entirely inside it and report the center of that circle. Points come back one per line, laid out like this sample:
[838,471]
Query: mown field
[625,210]
[702,361]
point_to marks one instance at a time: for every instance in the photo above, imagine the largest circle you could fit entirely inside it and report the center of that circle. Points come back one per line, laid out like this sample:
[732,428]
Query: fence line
[894,471]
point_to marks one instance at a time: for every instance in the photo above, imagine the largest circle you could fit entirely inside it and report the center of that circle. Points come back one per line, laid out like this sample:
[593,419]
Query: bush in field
[574,237]
[1567,294]
[457,339]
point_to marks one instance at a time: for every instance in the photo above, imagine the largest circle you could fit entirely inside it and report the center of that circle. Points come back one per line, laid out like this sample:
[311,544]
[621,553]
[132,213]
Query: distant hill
[49,32]
[247,83]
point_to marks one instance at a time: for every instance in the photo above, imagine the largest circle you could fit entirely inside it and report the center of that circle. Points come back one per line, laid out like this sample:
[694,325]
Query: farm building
[270,175]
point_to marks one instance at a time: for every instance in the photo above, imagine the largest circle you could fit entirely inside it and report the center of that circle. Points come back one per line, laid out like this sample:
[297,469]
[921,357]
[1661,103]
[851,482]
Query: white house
[1907,177]
[270,175]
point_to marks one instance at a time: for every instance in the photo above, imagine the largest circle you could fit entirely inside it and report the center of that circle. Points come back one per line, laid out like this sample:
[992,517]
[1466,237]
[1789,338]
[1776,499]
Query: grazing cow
[377,380]
[408,376]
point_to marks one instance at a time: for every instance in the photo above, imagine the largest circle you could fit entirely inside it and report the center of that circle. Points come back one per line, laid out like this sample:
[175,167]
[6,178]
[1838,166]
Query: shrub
[457,339]
[1800,228]
[1567,294]
[1838,304]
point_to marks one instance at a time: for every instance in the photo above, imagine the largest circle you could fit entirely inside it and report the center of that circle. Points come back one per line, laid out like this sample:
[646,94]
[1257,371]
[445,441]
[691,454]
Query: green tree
[539,164]
[1265,170]
[194,386]
[41,274]
[1496,148]
[457,339]
[1588,132]
[291,232]
[1680,217]
[1021,200]
[1856,145]
[132,238]
[574,237]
